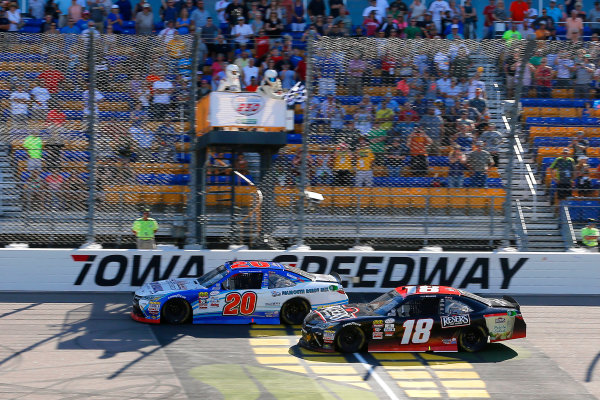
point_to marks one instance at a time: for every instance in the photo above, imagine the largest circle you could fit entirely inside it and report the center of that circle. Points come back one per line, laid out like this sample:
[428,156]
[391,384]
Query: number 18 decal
[236,304]
[422,330]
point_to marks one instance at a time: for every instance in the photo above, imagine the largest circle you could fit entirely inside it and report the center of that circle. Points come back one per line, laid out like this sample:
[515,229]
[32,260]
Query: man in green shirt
[511,34]
[144,229]
[413,31]
[589,236]
[33,145]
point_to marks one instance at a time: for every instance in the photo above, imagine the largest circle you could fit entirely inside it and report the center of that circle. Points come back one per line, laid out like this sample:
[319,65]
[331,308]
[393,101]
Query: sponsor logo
[377,335]
[389,328]
[449,341]
[275,293]
[314,290]
[455,320]
[156,287]
[328,336]
[500,320]
[378,323]
[154,308]
[274,304]
[214,293]
[336,313]
[248,104]
[350,324]
[176,296]
[292,292]
[202,294]
[333,288]
[389,321]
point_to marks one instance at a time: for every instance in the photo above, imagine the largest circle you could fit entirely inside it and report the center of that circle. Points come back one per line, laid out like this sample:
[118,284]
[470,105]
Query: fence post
[91,131]
[193,228]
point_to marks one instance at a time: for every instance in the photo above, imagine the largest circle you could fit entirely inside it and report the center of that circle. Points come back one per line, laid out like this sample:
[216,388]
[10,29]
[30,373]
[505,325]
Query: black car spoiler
[512,300]
[337,277]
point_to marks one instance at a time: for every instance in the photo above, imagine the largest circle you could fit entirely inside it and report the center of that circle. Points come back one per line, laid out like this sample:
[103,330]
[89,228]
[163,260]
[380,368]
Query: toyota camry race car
[239,292]
[414,318]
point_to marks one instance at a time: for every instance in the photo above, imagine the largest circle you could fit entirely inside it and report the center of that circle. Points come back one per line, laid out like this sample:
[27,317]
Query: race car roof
[425,289]
[253,264]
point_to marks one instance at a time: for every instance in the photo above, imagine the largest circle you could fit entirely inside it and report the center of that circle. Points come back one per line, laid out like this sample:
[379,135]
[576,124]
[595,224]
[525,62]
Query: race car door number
[419,331]
[236,304]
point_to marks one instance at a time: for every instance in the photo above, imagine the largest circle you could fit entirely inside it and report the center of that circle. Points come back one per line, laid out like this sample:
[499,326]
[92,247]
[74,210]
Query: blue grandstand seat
[571,121]
[381,181]
[114,115]
[129,24]
[321,139]
[22,57]
[494,182]
[294,138]
[117,96]
[69,96]
[594,142]
[30,29]
[183,158]
[590,121]
[73,155]
[536,120]
[128,31]
[74,114]
[184,138]
[298,118]
[34,22]
[31,75]
[5,75]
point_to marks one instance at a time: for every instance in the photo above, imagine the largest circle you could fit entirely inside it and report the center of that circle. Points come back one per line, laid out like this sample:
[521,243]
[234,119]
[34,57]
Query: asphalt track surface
[85,346]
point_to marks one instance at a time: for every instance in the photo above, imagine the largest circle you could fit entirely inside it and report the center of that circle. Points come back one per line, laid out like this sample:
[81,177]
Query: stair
[10,201]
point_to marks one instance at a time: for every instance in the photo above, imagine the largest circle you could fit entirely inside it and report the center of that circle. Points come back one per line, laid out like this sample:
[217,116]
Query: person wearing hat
[144,21]
[82,23]
[454,34]
[115,20]
[144,229]
[242,32]
[564,168]
[589,236]
[542,33]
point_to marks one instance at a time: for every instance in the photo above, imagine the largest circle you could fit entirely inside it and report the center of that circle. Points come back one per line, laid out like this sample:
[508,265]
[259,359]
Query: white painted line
[377,378]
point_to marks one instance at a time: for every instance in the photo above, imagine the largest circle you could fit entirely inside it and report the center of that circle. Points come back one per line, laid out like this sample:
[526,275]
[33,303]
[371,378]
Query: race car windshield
[383,301]
[212,277]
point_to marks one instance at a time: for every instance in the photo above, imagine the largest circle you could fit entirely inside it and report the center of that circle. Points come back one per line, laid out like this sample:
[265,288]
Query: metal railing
[521,228]
[566,227]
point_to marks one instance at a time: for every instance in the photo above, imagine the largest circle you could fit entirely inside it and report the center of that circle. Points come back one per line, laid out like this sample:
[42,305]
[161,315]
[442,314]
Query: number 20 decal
[422,330]
[236,304]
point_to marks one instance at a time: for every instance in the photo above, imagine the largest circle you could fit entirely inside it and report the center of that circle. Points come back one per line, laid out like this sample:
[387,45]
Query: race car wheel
[176,311]
[350,340]
[472,339]
[294,311]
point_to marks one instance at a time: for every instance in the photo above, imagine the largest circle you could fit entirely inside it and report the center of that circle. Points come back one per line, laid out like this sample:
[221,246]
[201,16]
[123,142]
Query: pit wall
[126,270]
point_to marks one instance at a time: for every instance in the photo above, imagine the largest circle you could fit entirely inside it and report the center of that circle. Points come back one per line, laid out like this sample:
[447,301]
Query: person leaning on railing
[589,236]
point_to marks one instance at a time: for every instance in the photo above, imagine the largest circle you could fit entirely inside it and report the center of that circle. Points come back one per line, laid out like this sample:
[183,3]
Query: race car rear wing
[512,300]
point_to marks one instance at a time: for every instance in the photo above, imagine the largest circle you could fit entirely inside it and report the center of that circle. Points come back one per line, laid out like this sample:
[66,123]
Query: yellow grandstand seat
[400,197]
[364,196]
[493,173]
[327,192]
[458,197]
[569,112]
[496,197]
[174,194]
[438,197]
[592,131]
[244,196]
[125,194]
[438,171]
[285,195]
[593,152]
[531,112]
[549,111]
[559,93]
[417,199]
[343,196]
[381,197]
[114,106]
[478,198]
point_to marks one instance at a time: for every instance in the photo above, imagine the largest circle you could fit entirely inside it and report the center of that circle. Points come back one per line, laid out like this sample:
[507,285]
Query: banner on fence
[246,109]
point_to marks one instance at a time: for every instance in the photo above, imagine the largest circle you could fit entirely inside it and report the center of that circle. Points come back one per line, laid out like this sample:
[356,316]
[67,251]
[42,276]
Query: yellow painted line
[326,359]
[403,364]
[462,394]
[451,365]
[277,360]
[417,384]
[457,374]
[271,350]
[469,384]
[292,368]
[271,332]
[394,356]
[307,352]
[423,393]
[363,385]
[269,342]
[409,374]
[265,326]
[428,356]
[332,369]
[344,378]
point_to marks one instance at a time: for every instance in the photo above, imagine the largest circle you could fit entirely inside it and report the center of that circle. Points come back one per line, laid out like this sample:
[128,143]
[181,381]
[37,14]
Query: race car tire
[472,339]
[350,340]
[294,311]
[176,311]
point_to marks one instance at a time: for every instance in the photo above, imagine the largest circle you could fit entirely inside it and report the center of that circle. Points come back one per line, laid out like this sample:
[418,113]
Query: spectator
[274,27]
[253,85]
[579,146]
[554,12]
[70,28]
[342,165]
[574,27]
[364,163]
[385,116]
[454,33]
[234,11]
[161,100]
[316,8]
[19,103]
[168,11]
[564,168]
[469,16]
[583,181]
[40,97]
[541,33]
[287,77]
[479,161]
[418,143]
[371,24]
[545,18]
[98,14]
[125,9]
[413,31]
[433,126]
[594,18]
[184,23]
[144,21]
[531,14]
[200,16]
[144,229]
[543,79]
[52,9]
[98,97]
[372,8]
[45,27]
[168,32]
[220,8]
[490,20]
[580,12]
[457,161]
[249,71]
[500,16]
[518,10]
[492,140]
[36,8]
[75,11]
[526,30]
[297,19]
[437,9]
[356,69]
[82,23]
[589,236]
[209,34]
[115,20]
[14,17]
[584,73]
[33,145]
[242,32]
[395,155]
[138,8]
[511,34]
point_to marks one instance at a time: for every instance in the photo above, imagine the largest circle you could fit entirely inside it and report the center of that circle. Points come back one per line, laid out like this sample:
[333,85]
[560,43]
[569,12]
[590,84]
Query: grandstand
[411,142]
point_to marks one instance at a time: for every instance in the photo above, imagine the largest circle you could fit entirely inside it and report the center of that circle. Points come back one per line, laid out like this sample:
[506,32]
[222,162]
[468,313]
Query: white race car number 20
[417,331]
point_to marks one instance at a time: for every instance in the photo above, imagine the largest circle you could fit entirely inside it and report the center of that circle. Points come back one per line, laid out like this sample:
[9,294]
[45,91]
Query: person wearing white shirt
[36,8]
[40,95]
[443,84]
[19,103]
[161,101]
[473,85]
[14,17]
[220,7]
[531,14]
[373,7]
[417,10]
[382,6]
[242,33]
[249,71]
[437,9]
[167,33]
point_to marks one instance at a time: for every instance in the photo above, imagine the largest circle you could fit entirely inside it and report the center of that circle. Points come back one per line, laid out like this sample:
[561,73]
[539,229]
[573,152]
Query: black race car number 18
[419,331]
[236,304]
